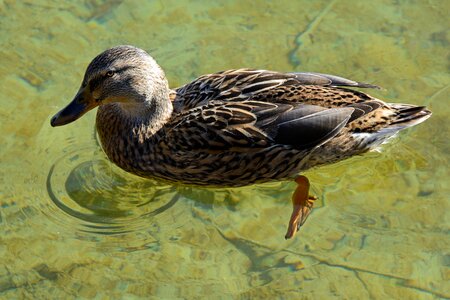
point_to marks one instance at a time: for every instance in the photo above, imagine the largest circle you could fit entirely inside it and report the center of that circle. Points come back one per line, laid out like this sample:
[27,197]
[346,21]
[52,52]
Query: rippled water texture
[73,225]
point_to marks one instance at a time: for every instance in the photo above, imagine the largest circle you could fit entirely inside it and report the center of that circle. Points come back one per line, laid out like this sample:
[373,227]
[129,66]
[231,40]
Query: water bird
[232,128]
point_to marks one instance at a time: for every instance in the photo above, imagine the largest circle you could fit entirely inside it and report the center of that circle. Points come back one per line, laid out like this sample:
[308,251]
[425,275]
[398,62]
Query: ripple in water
[95,199]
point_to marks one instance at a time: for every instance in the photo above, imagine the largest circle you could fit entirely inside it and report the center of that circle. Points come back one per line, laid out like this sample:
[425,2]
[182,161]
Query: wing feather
[242,126]
[262,85]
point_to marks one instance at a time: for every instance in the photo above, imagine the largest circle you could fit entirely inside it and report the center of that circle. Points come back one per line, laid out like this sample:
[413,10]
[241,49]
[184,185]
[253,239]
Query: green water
[72,225]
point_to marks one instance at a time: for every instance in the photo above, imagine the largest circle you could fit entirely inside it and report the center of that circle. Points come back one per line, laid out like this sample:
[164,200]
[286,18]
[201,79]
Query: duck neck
[127,132]
[126,129]
[145,117]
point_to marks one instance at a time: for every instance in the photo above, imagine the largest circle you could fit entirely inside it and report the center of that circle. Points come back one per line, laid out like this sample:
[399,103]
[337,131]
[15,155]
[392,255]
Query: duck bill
[81,104]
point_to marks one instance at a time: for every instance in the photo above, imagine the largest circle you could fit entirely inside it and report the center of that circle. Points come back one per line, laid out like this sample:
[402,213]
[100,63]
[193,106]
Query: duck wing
[244,126]
[268,86]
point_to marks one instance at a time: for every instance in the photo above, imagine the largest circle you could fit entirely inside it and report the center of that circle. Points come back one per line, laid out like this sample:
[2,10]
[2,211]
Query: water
[73,225]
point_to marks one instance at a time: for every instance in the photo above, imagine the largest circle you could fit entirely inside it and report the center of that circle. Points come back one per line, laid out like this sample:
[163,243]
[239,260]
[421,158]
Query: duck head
[123,74]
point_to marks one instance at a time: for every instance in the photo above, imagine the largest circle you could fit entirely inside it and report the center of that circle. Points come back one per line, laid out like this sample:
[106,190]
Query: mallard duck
[231,128]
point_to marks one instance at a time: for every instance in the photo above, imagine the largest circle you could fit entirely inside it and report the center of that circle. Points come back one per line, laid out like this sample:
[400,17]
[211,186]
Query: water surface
[74,225]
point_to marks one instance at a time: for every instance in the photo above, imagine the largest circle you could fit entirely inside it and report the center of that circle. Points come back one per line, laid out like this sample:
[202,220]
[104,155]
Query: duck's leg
[302,205]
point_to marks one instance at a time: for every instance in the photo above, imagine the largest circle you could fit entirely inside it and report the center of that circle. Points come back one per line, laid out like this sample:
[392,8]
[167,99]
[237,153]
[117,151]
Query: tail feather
[405,115]
[409,115]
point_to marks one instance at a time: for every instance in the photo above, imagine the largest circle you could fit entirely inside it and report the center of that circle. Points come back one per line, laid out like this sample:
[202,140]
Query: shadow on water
[103,208]
[91,200]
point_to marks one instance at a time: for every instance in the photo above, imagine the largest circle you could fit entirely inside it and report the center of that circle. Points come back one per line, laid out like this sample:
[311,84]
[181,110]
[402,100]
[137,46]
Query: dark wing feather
[314,129]
[312,78]
[363,108]
[246,125]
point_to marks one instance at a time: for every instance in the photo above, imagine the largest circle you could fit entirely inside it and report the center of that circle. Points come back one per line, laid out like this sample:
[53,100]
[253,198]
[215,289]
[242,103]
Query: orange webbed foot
[302,205]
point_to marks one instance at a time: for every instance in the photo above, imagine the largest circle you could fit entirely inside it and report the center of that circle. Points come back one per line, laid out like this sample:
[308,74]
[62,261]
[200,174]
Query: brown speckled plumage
[231,128]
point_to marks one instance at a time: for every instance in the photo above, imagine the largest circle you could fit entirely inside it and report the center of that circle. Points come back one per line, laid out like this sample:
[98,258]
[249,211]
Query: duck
[231,128]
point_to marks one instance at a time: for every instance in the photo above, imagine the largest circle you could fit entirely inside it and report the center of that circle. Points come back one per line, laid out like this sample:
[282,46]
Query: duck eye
[109,73]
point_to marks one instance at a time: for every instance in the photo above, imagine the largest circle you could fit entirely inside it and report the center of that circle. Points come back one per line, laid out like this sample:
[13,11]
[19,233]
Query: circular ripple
[94,198]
